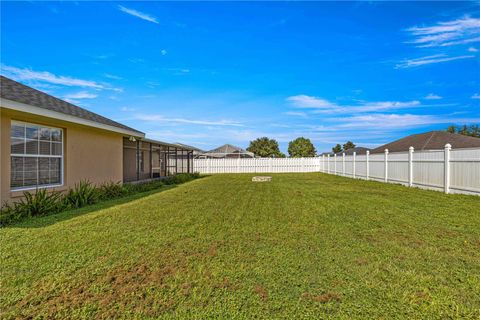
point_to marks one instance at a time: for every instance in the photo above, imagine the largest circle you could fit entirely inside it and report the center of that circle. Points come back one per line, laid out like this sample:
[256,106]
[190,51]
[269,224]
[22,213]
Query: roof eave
[22,107]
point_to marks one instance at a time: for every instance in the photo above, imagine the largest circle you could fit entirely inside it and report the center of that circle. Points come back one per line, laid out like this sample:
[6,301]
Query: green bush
[111,190]
[84,193]
[38,204]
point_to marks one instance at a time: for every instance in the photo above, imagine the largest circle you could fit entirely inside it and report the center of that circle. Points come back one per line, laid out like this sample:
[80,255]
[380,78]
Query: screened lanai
[149,159]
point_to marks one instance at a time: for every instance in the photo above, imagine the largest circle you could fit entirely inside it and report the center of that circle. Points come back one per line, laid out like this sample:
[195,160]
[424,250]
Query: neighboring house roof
[326,153]
[430,141]
[357,150]
[20,93]
[227,149]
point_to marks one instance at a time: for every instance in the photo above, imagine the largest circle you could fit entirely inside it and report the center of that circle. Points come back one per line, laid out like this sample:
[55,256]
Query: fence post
[410,166]
[208,165]
[354,159]
[386,165]
[238,165]
[367,164]
[448,148]
[343,164]
[270,165]
[328,163]
[335,164]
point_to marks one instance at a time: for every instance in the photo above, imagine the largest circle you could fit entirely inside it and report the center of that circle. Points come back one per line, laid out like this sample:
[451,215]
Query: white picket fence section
[447,170]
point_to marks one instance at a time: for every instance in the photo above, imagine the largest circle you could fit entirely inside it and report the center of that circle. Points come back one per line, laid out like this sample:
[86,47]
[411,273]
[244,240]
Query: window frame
[38,155]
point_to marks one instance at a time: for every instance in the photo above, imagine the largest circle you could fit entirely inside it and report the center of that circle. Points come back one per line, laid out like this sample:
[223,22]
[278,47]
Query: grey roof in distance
[430,141]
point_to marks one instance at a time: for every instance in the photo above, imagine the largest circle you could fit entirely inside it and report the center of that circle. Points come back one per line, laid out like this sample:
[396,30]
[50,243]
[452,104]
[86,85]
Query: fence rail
[447,170]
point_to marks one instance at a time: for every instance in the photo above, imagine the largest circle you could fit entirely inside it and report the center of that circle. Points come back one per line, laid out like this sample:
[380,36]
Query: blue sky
[228,72]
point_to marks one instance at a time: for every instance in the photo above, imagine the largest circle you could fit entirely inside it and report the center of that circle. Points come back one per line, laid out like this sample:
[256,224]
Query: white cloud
[396,121]
[295,114]
[324,106]
[30,75]
[163,52]
[112,76]
[437,58]
[476,96]
[127,109]
[80,95]
[138,14]
[161,118]
[472,49]
[449,33]
[432,96]
[304,101]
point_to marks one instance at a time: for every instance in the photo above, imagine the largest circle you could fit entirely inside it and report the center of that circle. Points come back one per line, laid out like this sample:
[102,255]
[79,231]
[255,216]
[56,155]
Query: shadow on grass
[44,221]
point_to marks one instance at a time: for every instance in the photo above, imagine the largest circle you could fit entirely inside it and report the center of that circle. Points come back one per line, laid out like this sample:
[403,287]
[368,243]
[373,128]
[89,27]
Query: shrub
[84,193]
[111,190]
[38,204]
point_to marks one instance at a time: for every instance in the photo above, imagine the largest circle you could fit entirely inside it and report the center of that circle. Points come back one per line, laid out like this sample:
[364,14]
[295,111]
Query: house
[357,150]
[49,143]
[226,151]
[430,141]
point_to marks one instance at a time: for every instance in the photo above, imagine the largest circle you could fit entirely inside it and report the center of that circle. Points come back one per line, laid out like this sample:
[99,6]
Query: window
[36,155]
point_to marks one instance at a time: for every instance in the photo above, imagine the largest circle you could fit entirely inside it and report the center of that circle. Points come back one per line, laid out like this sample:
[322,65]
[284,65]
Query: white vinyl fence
[451,171]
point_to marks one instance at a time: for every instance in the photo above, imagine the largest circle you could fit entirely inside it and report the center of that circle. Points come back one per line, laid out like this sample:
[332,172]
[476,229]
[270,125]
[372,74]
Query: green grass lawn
[301,246]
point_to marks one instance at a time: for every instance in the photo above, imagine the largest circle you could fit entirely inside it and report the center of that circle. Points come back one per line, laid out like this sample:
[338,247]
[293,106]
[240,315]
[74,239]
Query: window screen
[36,155]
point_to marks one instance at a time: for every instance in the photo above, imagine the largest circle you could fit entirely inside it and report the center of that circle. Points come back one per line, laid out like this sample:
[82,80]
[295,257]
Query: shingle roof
[357,150]
[15,91]
[429,141]
[228,148]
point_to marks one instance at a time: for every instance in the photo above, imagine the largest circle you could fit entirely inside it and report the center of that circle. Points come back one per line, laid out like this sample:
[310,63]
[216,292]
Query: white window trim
[62,157]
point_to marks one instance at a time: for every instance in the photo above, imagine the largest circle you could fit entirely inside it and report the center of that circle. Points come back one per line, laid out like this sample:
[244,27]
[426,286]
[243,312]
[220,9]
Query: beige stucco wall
[89,153]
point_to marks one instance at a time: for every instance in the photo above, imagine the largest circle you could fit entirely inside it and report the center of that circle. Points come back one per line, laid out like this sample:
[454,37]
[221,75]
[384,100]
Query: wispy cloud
[161,118]
[449,33]
[432,96]
[476,96]
[163,52]
[80,95]
[397,121]
[138,14]
[472,49]
[324,106]
[437,58]
[112,76]
[29,75]
[295,114]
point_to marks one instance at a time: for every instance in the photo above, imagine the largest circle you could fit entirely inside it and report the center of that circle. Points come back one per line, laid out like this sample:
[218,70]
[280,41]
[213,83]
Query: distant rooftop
[430,141]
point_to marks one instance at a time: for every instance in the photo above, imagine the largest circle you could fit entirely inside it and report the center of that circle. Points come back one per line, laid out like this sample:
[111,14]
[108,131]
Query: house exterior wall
[90,154]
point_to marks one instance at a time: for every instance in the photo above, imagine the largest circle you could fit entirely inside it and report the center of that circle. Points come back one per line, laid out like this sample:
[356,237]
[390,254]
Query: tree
[472,130]
[452,129]
[265,148]
[348,145]
[337,148]
[301,147]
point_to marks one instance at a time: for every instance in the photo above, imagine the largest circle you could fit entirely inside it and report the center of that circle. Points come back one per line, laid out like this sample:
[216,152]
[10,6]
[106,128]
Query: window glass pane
[29,178]
[56,134]
[56,148]
[16,164]
[30,164]
[16,174]
[32,132]
[44,164]
[55,164]
[31,147]
[44,134]
[17,131]
[17,146]
[43,177]
[44,148]
[55,169]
